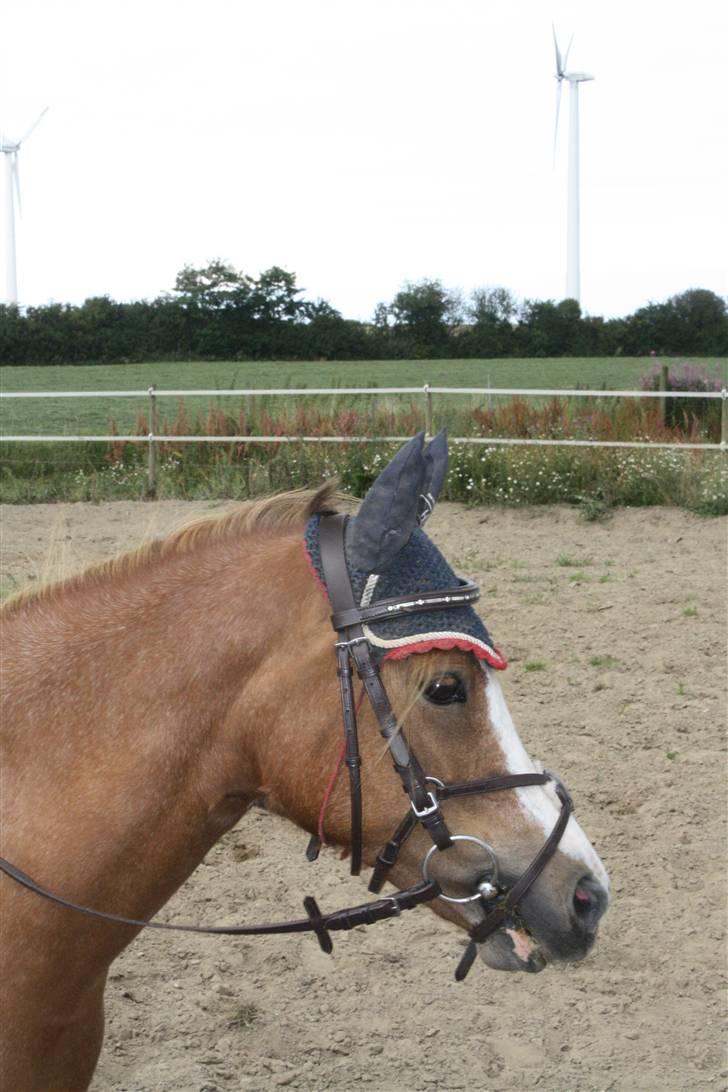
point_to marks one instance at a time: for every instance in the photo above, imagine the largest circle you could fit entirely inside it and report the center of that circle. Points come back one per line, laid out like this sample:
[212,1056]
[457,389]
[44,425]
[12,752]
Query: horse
[150,701]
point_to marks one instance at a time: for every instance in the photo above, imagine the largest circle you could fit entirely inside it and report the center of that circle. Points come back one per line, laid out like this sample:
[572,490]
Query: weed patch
[603,661]
[245,1016]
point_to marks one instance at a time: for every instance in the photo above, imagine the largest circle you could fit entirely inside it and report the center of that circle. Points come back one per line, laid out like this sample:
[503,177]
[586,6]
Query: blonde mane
[279,511]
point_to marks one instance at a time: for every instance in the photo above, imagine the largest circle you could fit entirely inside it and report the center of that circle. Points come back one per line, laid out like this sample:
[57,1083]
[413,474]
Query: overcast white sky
[361,143]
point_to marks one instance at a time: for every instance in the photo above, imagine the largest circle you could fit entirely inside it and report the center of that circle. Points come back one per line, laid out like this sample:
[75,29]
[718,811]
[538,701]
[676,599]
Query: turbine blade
[16,182]
[566,55]
[556,124]
[559,64]
[36,122]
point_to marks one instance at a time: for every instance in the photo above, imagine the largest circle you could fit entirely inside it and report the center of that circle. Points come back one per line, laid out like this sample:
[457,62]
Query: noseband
[426,792]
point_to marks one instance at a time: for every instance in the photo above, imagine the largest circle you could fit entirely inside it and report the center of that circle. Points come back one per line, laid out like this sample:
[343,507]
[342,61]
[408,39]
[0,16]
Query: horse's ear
[436,471]
[390,511]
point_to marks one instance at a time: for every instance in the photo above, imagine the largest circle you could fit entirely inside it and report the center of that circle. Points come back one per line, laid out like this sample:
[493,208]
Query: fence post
[150,489]
[724,419]
[428,410]
[663,386]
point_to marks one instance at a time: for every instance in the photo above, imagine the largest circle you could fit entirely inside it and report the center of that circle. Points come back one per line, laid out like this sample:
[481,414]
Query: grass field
[596,480]
[94,415]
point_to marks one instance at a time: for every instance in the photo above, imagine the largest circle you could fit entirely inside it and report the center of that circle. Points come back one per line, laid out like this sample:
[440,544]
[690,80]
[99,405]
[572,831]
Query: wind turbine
[10,150]
[573,287]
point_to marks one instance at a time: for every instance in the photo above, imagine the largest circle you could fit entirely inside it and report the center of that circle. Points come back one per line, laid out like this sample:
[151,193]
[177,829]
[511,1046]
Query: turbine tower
[10,150]
[573,276]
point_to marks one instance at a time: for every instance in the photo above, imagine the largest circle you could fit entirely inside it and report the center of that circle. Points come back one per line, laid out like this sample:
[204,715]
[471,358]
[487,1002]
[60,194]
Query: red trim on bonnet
[445,644]
[314,574]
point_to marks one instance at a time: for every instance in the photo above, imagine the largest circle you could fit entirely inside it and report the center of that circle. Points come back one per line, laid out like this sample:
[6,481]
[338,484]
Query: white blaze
[539,802]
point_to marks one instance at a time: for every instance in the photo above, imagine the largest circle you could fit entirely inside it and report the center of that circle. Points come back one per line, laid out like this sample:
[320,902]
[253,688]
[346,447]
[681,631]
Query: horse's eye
[446,690]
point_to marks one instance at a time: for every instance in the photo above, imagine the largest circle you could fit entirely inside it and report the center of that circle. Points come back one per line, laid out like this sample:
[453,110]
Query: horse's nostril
[590,902]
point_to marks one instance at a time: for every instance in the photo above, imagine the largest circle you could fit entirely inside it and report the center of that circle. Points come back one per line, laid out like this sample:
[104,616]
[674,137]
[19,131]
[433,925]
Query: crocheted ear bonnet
[418,566]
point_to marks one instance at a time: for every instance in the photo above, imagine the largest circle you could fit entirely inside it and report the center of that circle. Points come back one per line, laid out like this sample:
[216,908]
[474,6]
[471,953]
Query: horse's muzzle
[562,936]
[567,934]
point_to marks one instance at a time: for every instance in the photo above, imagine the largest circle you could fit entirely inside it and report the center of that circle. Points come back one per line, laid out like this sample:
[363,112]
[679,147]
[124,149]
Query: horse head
[439,671]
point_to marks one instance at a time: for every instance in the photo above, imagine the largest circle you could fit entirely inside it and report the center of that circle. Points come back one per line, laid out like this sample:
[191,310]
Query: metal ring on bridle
[436,781]
[462,838]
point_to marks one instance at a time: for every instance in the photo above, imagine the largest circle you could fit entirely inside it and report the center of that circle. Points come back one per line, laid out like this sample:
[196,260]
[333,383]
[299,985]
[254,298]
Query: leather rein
[425,793]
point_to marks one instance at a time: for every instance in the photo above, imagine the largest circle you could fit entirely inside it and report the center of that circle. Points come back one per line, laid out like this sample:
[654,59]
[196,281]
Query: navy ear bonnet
[418,566]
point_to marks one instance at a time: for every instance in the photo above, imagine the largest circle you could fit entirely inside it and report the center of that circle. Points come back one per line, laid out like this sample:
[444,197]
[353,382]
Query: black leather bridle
[426,793]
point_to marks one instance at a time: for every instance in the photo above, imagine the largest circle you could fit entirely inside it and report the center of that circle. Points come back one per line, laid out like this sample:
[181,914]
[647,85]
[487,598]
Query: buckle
[353,641]
[433,807]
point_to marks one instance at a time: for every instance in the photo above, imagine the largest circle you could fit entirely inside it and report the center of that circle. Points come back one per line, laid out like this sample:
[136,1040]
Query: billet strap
[496,917]
[352,756]
[388,854]
[338,586]
[321,924]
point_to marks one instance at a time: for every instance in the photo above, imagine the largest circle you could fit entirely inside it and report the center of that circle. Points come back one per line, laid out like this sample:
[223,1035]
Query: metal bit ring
[463,838]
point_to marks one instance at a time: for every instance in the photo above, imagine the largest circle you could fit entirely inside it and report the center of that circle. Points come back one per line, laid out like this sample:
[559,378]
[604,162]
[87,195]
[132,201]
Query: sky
[364,143]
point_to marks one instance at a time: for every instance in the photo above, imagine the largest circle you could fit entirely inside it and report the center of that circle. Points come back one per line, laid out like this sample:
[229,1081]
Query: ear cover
[390,511]
[435,473]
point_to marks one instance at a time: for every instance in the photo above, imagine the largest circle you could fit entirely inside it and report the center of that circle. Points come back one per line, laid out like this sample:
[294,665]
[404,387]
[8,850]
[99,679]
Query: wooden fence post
[150,489]
[428,410]
[662,402]
[724,419]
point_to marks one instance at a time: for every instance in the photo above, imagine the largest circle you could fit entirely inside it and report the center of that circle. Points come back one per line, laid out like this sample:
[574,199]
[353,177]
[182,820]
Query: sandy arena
[616,636]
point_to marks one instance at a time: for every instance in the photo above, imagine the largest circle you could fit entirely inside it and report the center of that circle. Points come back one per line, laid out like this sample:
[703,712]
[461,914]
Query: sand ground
[627,618]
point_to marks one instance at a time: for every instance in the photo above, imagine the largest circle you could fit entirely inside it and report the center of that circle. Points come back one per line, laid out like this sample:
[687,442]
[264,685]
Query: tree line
[220,313]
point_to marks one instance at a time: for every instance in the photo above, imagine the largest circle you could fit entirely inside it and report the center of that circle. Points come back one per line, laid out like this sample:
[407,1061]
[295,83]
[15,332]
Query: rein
[425,792]
[366,914]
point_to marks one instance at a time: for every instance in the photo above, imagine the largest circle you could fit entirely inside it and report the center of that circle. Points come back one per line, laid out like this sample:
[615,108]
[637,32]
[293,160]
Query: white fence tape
[427,390]
[485,441]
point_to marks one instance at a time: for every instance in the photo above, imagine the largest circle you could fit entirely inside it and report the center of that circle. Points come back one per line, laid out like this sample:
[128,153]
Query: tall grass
[596,479]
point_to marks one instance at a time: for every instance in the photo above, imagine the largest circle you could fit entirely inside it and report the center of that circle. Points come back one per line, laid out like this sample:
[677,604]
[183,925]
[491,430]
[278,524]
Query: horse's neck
[137,704]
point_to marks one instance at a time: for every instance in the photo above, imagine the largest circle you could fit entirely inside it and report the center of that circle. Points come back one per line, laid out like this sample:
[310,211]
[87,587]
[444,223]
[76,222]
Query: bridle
[426,793]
